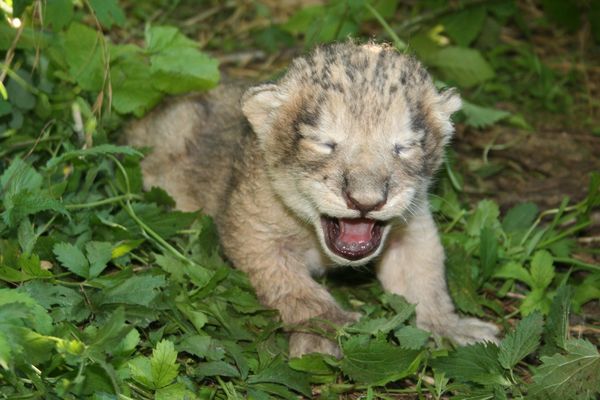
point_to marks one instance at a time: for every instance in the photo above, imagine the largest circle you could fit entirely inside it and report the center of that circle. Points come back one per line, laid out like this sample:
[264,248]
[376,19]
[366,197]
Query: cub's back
[194,143]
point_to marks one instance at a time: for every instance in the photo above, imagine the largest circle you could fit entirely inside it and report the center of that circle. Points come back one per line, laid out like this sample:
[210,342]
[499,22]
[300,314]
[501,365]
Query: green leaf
[20,176]
[482,117]
[58,13]
[461,283]
[176,391]
[217,368]
[82,51]
[465,67]
[556,330]
[130,75]
[138,289]
[72,259]
[523,340]
[312,363]
[464,26]
[163,363]
[22,194]
[165,224]
[374,326]
[537,299]
[375,361]
[19,7]
[141,370]
[485,215]
[474,363]
[109,12]
[542,271]
[32,311]
[488,252]
[176,64]
[98,255]
[279,372]
[575,375]
[411,337]
[514,270]
[520,217]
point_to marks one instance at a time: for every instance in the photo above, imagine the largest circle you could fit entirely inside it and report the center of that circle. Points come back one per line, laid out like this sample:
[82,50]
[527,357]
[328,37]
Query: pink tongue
[356,230]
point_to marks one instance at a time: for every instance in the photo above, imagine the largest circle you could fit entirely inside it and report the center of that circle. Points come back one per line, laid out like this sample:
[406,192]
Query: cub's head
[351,136]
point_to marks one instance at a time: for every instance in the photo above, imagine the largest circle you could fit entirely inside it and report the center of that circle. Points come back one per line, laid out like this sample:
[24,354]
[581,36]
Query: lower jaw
[364,251]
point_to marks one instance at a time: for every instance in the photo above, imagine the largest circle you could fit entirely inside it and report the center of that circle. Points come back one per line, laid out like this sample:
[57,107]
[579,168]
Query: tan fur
[347,119]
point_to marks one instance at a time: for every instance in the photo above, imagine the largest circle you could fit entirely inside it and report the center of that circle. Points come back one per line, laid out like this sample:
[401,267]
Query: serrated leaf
[474,363]
[461,284]
[163,364]
[466,67]
[482,117]
[557,323]
[411,337]
[141,370]
[217,368]
[30,310]
[542,271]
[130,74]
[279,372]
[138,289]
[514,270]
[523,340]
[374,326]
[375,361]
[575,375]
[98,255]
[176,391]
[176,64]
[20,176]
[72,259]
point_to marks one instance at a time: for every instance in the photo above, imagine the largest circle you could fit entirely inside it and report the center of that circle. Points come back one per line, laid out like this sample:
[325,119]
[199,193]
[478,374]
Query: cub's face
[351,136]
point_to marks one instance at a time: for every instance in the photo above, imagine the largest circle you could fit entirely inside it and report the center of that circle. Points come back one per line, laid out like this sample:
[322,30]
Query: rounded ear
[449,102]
[259,104]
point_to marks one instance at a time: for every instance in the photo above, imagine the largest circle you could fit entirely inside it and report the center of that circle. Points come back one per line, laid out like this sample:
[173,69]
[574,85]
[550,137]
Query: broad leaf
[375,361]
[574,375]
[474,363]
[523,340]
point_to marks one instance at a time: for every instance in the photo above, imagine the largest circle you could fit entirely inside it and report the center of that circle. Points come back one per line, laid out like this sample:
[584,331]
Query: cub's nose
[364,205]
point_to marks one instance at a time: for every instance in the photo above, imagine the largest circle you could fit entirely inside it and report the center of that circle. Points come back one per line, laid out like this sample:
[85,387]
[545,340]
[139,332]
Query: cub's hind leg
[413,267]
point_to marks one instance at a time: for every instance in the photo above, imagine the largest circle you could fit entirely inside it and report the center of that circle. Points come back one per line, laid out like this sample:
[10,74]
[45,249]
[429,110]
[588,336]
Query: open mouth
[352,238]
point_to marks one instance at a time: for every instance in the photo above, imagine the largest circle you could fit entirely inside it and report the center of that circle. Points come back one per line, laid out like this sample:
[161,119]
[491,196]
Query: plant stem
[103,202]
[400,45]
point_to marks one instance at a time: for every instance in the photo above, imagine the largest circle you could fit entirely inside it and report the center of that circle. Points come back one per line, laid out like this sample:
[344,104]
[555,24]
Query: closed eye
[321,147]
[399,149]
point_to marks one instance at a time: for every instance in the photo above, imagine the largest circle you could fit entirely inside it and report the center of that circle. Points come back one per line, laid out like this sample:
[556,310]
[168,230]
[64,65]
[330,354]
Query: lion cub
[333,169]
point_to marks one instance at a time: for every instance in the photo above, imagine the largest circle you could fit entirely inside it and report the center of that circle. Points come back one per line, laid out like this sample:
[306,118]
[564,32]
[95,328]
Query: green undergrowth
[107,292]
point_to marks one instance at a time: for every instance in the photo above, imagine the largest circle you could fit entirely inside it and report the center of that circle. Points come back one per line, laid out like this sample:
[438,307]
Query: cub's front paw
[304,343]
[462,331]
